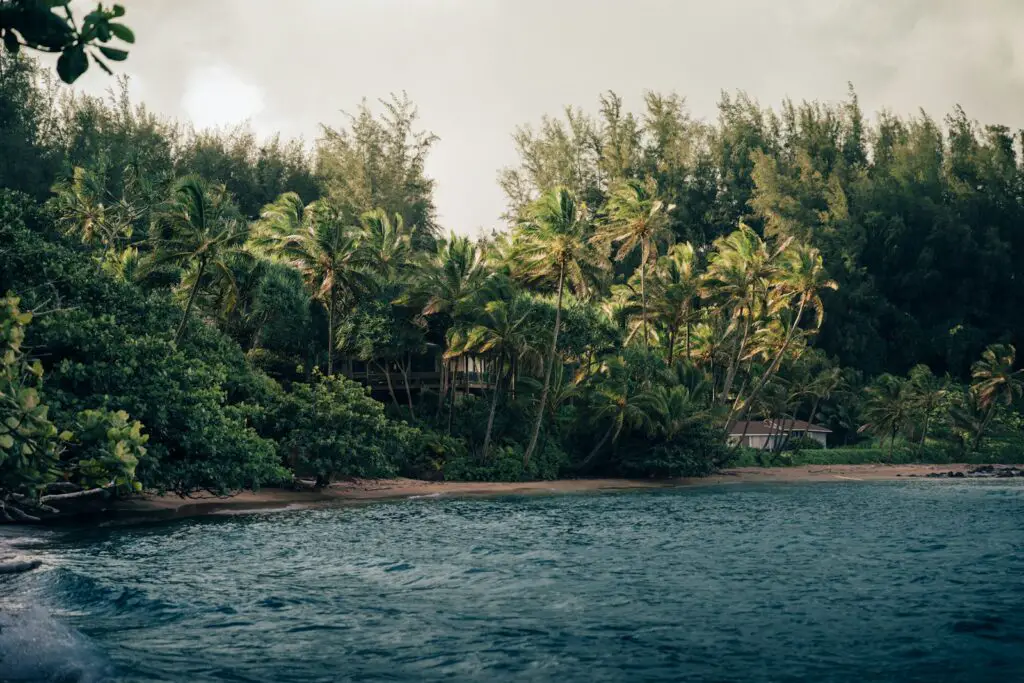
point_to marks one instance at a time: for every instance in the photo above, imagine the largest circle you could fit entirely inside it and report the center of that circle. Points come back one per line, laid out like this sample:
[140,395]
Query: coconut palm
[738,279]
[636,219]
[553,249]
[994,382]
[886,408]
[199,230]
[799,281]
[81,210]
[926,393]
[386,245]
[504,331]
[675,299]
[821,388]
[622,401]
[316,240]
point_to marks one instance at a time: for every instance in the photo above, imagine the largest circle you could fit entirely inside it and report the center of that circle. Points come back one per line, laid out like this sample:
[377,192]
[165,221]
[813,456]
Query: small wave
[426,495]
[36,647]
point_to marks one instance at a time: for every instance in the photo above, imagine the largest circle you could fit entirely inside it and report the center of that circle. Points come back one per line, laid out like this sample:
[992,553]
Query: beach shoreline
[369,490]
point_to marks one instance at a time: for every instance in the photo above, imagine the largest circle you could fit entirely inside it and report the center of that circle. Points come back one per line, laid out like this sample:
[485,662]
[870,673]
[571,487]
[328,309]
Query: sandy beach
[390,489]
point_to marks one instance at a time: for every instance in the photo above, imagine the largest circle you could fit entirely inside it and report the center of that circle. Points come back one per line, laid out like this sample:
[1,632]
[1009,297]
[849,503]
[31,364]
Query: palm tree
[994,382]
[886,408]
[200,229]
[553,247]
[801,279]
[624,402]
[81,210]
[447,283]
[676,289]
[636,219]
[504,331]
[821,388]
[925,392]
[738,277]
[386,246]
[315,240]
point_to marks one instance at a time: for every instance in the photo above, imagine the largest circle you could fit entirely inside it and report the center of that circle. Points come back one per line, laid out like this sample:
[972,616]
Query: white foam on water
[36,647]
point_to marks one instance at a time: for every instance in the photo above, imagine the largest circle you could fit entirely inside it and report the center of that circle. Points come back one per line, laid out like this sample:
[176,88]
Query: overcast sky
[478,68]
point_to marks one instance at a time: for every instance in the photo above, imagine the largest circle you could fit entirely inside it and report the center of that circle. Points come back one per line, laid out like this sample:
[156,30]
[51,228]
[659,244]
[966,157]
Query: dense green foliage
[207,307]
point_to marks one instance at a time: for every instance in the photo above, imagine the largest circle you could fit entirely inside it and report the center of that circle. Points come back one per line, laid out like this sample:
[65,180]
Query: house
[418,371]
[773,434]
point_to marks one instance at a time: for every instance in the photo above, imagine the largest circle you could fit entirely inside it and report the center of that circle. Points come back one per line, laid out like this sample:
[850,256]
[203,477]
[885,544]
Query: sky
[479,68]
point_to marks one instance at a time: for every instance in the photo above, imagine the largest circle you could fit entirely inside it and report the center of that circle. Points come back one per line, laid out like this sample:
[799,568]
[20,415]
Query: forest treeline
[182,306]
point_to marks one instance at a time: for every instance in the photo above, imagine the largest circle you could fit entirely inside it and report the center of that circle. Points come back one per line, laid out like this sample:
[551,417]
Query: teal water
[898,581]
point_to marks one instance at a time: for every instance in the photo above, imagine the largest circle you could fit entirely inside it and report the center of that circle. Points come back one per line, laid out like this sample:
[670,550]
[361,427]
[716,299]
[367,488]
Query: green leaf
[114,54]
[118,11]
[11,42]
[122,32]
[6,441]
[72,64]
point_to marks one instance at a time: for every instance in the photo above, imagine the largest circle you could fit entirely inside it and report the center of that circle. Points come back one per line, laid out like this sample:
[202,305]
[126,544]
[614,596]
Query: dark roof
[766,427]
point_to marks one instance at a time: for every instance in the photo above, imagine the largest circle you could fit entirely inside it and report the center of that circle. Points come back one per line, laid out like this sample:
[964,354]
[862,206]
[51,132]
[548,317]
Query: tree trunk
[441,389]
[644,253]
[982,427]
[777,361]
[892,444]
[387,378]
[687,339]
[599,446]
[547,371]
[814,410]
[730,374]
[671,348]
[330,332]
[404,369]
[924,429]
[191,301]
[453,379]
[494,407]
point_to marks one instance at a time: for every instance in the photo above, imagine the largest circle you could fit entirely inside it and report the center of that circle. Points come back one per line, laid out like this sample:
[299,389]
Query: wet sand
[390,489]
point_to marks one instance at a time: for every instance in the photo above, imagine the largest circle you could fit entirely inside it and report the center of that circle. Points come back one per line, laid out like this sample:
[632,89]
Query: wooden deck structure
[424,373]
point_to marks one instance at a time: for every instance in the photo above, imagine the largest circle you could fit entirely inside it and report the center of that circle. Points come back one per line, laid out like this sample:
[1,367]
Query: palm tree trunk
[982,427]
[687,339]
[404,369]
[643,295]
[599,446]
[330,332]
[494,406]
[191,300]
[547,371]
[730,374]
[443,385]
[892,444]
[671,348]
[453,379]
[777,361]
[814,410]
[924,429]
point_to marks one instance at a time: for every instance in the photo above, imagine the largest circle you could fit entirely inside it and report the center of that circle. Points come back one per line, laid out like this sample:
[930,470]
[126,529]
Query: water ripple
[851,582]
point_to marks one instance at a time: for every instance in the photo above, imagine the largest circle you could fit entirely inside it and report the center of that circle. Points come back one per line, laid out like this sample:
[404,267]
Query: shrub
[330,428]
[696,452]
[803,443]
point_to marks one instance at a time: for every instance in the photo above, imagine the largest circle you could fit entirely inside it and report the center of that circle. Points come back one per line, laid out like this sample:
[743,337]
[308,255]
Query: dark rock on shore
[982,472]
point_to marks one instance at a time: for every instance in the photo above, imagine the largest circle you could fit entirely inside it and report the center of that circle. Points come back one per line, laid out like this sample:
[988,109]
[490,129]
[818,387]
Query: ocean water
[845,582]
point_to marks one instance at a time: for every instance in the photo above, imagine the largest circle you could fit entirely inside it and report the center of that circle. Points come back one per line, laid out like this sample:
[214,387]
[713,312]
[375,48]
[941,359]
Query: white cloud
[217,96]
